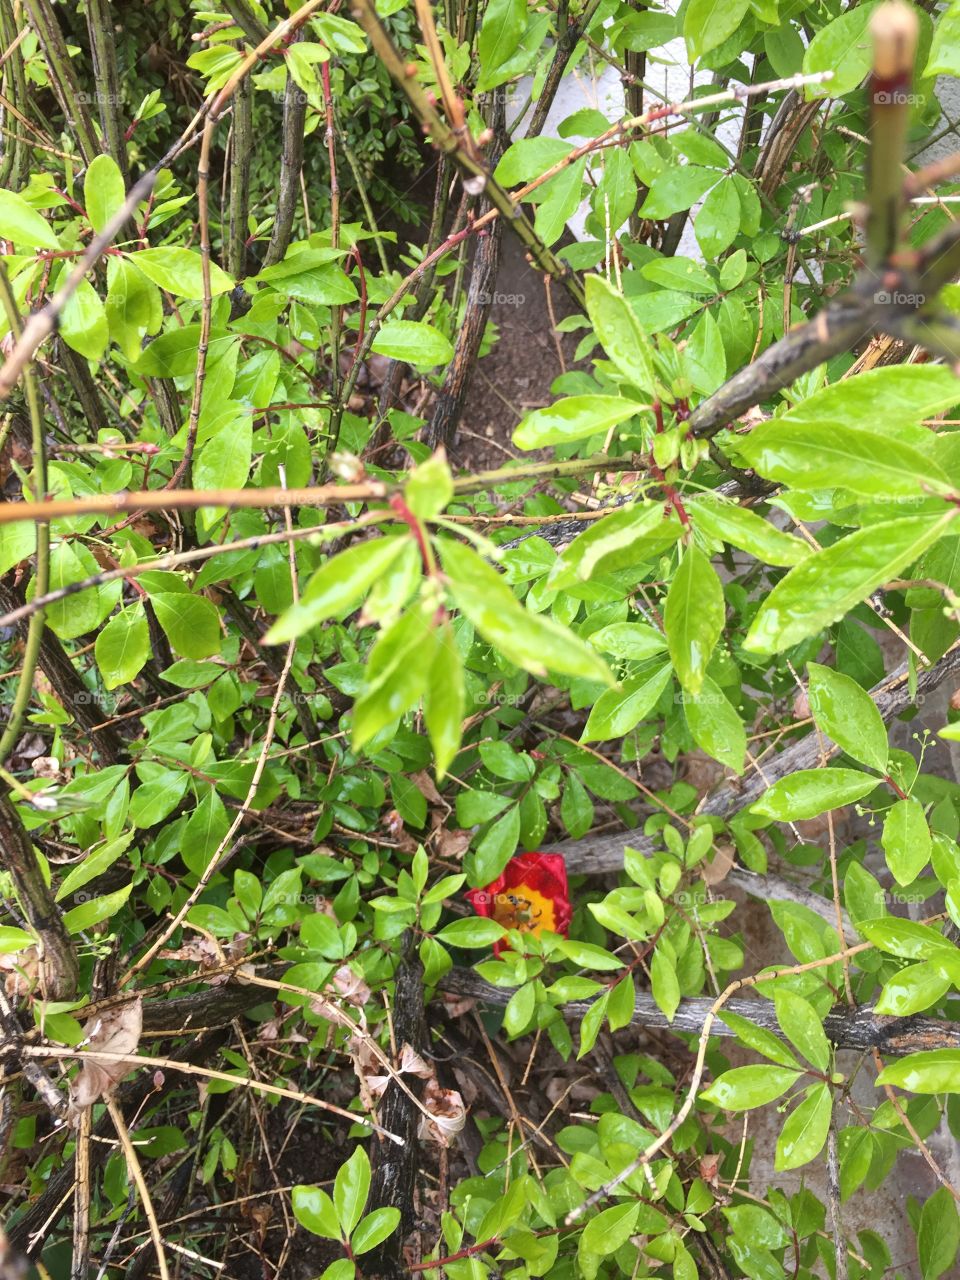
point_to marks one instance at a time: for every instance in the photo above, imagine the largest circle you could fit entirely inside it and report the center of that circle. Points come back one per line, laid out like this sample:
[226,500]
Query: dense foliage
[294,695]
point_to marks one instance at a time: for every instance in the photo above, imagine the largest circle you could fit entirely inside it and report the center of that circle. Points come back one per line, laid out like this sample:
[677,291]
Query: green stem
[31,648]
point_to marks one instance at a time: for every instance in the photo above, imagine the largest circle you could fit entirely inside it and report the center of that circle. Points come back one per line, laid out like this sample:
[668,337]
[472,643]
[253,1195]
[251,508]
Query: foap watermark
[486,299]
[495,698]
[896,98]
[100,99]
[896,298]
[508,96]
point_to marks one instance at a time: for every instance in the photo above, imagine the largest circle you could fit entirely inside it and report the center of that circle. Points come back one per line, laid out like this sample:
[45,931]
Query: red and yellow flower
[530,895]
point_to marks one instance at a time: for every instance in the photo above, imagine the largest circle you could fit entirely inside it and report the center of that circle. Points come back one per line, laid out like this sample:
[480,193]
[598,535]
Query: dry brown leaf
[427,786]
[115,1031]
[353,988]
[447,1117]
[719,865]
[457,1006]
[451,844]
[411,1062]
[22,969]
[46,767]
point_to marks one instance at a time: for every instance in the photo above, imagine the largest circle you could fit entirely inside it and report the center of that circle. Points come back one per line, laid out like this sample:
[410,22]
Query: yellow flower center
[525,909]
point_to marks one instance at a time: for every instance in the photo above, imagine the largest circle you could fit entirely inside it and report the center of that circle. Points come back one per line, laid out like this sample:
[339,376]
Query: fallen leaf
[451,844]
[719,865]
[447,1115]
[425,784]
[115,1031]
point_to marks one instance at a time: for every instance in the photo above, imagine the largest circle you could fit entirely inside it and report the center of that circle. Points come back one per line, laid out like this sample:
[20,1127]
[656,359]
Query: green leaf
[21,223]
[622,1003]
[96,862]
[350,1190]
[191,623]
[938,1236]
[618,329]
[744,1088]
[374,1229]
[12,939]
[503,25]
[526,639]
[224,460]
[129,307]
[677,188]
[619,710]
[844,48]
[560,201]
[828,584]
[123,646]
[398,673]
[103,190]
[806,1129]
[529,158]
[742,528]
[664,984]
[810,792]
[827,454]
[801,1024]
[314,1210]
[585,955]
[707,23]
[179,271]
[633,641]
[496,848]
[759,1039]
[337,586]
[846,713]
[611,1228]
[429,488]
[620,540]
[576,808]
[415,342]
[935,1071]
[906,840]
[520,1010]
[693,618]
[444,701]
[18,541]
[906,938]
[97,909]
[913,989]
[174,353]
[156,800]
[892,400]
[83,321]
[472,932]
[718,220]
[573,418]
[716,727]
[79,612]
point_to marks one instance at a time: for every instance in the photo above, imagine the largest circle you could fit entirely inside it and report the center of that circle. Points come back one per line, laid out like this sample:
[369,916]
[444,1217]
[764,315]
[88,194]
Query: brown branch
[59,968]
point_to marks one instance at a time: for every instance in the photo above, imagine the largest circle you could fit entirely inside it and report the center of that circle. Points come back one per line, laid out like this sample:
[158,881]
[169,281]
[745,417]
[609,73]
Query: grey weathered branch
[291,162]
[600,853]
[858,1028]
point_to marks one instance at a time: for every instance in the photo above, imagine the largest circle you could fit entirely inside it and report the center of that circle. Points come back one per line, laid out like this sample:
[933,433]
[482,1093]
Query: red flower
[530,895]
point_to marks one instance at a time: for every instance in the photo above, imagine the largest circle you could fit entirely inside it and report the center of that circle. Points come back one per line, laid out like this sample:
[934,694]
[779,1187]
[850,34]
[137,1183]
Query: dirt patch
[518,373]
